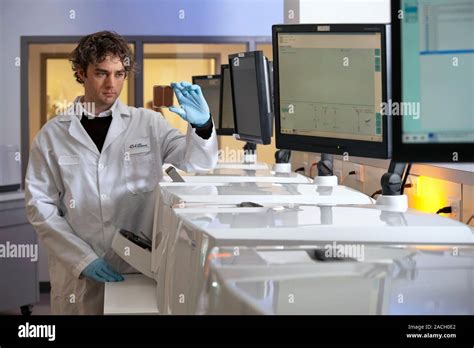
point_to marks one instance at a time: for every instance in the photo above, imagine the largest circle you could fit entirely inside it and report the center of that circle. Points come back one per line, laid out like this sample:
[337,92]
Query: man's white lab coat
[77,198]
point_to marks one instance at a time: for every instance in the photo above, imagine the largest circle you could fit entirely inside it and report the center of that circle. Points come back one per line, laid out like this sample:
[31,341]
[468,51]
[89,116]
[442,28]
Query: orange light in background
[219,256]
[429,195]
[433,247]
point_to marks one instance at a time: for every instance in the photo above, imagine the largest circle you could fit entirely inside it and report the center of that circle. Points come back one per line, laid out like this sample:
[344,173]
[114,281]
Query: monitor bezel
[271,85]
[329,145]
[262,84]
[210,77]
[221,130]
[427,153]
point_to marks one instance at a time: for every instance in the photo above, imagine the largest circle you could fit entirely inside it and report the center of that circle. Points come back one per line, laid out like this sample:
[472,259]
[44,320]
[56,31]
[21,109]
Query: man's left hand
[193,107]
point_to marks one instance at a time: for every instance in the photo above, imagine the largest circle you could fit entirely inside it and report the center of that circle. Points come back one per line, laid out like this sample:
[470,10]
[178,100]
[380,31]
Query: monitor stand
[250,153]
[325,175]
[392,185]
[282,162]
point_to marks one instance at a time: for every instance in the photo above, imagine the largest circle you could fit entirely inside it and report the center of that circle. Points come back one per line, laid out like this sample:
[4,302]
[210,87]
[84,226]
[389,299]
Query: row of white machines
[249,241]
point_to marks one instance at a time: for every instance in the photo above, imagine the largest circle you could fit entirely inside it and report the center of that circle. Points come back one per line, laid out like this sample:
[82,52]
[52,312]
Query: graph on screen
[333,85]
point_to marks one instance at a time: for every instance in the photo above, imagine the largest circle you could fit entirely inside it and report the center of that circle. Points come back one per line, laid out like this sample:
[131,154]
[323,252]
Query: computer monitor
[433,85]
[330,83]
[210,86]
[251,97]
[226,107]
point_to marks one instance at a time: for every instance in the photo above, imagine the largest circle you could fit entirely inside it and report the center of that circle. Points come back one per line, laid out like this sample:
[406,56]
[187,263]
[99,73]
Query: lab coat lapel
[118,125]
[77,131]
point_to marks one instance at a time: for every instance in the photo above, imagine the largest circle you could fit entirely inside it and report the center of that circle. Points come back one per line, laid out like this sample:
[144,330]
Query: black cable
[445,210]
[376,193]
[405,177]
[300,169]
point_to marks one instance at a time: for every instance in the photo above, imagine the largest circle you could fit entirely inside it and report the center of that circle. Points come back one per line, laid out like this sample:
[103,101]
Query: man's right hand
[100,271]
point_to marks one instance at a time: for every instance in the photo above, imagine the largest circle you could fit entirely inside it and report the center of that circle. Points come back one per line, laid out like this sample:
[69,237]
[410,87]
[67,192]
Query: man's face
[104,81]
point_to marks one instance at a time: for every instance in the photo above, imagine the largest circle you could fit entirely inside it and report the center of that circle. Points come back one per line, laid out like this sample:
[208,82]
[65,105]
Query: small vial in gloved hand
[162,96]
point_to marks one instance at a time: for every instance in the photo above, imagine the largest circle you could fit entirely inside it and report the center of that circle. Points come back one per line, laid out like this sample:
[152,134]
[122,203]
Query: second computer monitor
[226,107]
[210,86]
[433,88]
[251,97]
[330,85]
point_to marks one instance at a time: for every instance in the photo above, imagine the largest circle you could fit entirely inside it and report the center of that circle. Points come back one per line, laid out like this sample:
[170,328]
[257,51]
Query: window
[166,63]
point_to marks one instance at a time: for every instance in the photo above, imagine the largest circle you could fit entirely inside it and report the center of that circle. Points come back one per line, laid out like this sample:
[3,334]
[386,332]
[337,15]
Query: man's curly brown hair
[95,47]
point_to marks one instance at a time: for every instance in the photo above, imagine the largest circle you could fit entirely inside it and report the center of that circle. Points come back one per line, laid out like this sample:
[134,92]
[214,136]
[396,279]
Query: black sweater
[98,127]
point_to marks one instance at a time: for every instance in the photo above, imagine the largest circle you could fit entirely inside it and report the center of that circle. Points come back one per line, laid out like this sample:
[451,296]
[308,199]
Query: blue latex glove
[100,271]
[193,107]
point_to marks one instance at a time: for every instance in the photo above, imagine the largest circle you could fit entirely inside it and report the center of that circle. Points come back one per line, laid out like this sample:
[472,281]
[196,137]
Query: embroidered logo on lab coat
[138,145]
[68,160]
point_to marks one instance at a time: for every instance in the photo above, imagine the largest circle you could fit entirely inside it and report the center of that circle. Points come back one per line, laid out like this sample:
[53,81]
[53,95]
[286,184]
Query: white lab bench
[205,195]
[228,195]
[192,218]
[228,175]
[117,298]
[258,192]
[426,281]
[182,271]
[135,295]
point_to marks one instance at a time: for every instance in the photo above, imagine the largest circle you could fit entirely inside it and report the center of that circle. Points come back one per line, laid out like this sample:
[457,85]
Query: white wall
[344,11]
[127,17]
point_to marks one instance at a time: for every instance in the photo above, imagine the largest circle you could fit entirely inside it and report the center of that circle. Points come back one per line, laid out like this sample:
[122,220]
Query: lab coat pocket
[141,174]
[70,169]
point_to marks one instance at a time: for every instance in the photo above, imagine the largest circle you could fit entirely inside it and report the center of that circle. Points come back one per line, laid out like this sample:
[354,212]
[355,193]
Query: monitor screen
[251,97]
[435,61]
[210,86]
[331,82]
[226,126]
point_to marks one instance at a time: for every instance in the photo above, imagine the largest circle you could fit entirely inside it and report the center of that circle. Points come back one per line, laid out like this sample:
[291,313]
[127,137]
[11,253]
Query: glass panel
[61,86]
[267,50]
[166,63]
[163,71]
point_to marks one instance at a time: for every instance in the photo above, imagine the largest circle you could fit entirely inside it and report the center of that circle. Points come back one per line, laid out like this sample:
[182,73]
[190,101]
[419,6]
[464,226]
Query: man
[93,172]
